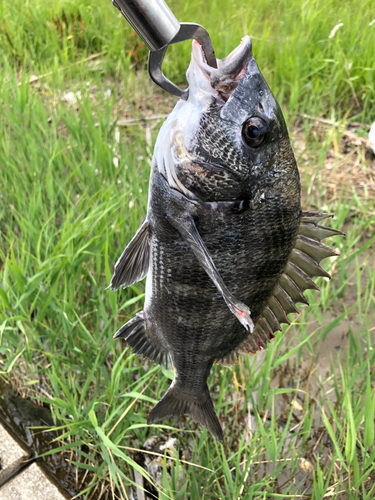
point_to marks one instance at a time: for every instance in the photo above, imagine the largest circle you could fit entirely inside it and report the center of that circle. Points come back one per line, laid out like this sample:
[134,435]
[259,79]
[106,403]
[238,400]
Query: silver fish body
[225,246]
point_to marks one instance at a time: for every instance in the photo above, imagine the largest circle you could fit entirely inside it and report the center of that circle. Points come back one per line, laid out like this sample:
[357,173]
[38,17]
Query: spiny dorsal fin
[134,262]
[278,310]
[285,299]
[318,251]
[300,278]
[313,217]
[307,264]
[317,232]
[303,265]
[292,289]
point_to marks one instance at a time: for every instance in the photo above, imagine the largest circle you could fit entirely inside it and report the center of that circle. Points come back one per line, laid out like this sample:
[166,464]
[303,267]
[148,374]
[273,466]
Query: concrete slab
[31,484]
[11,454]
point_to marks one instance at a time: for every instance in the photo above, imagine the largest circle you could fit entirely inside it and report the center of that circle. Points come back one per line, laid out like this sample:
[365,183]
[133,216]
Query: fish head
[231,120]
[229,139]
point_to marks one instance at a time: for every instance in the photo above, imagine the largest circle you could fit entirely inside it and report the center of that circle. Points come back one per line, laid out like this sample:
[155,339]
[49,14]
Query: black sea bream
[225,246]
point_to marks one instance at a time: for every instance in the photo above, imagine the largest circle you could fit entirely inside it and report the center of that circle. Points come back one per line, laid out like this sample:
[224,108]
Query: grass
[299,419]
[292,43]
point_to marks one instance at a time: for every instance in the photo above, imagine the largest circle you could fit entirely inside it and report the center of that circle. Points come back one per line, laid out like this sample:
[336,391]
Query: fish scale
[225,246]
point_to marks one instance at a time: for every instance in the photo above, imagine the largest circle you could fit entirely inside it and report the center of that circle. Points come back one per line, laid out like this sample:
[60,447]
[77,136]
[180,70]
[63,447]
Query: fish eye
[255,131]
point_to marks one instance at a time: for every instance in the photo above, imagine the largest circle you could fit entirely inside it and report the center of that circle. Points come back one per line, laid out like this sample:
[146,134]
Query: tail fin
[175,403]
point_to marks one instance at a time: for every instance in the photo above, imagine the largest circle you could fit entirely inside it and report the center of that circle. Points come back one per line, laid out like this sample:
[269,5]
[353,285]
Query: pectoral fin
[133,264]
[186,227]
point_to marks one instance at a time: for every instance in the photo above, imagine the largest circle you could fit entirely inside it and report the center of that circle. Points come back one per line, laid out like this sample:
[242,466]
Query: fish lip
[231,67]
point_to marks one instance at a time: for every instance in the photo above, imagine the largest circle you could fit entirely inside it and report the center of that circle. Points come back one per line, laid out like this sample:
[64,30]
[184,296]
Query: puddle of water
[18,415]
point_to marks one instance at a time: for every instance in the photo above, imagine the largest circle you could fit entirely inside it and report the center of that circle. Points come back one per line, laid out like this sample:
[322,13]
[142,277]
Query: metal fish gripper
[158,28]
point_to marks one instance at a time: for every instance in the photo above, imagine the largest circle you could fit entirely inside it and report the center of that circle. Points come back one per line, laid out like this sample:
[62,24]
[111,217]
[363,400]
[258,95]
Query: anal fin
[134,262]
[136,335]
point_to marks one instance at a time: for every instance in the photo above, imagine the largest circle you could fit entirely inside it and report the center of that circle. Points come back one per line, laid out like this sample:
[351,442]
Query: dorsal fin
[303,265]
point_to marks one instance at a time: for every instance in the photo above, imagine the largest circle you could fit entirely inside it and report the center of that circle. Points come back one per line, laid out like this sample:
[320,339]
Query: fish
[225,245]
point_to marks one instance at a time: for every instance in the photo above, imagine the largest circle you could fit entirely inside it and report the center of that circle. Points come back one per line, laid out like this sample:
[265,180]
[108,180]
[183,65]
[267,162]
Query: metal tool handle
[158,28]
[151,19]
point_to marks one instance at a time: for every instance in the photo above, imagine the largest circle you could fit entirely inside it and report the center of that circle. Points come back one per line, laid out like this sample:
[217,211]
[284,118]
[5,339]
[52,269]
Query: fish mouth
[229,72]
